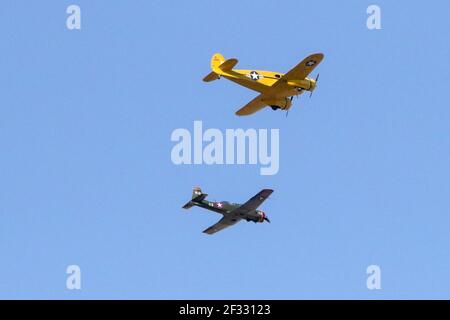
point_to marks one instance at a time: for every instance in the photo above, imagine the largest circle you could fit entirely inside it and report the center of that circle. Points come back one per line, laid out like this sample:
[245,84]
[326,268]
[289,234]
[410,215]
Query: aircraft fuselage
[225,208]
[261,81]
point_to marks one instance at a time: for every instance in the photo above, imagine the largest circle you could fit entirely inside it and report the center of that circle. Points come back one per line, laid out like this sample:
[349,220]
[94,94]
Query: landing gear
[275,108]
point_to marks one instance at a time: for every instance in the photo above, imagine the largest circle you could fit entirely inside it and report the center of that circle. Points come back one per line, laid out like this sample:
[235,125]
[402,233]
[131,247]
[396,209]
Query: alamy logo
[73,21]
[231,149]
[374,278]
[373,21]
[73,281]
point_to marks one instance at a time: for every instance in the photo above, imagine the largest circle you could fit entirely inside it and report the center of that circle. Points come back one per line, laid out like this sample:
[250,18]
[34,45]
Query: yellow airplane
[276,89]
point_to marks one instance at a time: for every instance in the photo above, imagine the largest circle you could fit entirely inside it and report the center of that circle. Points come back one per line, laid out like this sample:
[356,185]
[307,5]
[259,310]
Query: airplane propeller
[267,219]
[287,111]
[315,80]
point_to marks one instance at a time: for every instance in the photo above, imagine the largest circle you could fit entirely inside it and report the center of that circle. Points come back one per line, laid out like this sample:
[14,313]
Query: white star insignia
[219,205]
[254,75]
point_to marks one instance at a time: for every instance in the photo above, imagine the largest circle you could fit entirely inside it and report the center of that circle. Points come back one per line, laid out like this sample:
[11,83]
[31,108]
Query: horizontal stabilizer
[211,77]
[200,197]
[188,205]
[228,64]
[197,199]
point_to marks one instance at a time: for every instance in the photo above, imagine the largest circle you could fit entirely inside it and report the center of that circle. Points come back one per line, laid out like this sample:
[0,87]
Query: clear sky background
[86,176]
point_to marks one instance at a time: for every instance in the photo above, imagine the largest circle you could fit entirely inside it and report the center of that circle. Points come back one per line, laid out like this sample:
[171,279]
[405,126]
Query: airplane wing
[251,107]
[233,217]
[223,223]
[254,202]
[301,71]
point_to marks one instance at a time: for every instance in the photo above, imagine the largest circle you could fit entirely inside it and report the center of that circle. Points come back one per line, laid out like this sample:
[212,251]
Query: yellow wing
[301,71]
[251,107]
[298,73]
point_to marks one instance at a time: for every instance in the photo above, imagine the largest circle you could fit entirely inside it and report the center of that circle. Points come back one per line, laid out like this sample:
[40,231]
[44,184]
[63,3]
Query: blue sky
[86,176]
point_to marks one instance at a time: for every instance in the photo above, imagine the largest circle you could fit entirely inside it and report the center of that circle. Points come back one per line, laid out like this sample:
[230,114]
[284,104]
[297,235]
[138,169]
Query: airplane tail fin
[216,60]
[197,196]
[219,64]
[196,192]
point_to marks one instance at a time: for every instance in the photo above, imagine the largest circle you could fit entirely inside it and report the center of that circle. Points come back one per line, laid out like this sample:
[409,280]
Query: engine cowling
[305,84]
[283,103]
[261,216]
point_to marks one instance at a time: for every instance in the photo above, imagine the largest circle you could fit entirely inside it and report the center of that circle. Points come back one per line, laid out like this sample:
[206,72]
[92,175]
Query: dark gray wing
[254,202]
[223,223]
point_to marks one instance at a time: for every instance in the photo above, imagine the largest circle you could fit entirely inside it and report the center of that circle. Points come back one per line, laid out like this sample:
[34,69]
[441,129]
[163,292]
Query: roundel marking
[310,63]
[255,75]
